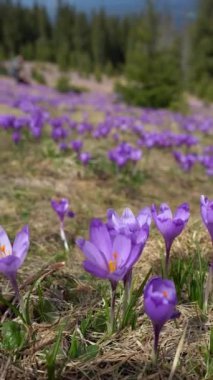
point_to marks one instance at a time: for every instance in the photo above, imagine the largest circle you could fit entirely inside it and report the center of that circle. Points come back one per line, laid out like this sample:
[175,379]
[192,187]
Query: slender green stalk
[208,288]
[63,237]
[156,340]
[127,291]
[167,264]
[112,308]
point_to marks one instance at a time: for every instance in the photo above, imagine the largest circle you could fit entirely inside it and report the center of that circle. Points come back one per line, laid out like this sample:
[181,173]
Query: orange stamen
[3,249]
[165,294]
[112,266]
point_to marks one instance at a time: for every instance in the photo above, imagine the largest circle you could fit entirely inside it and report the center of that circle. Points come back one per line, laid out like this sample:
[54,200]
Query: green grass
[61,327]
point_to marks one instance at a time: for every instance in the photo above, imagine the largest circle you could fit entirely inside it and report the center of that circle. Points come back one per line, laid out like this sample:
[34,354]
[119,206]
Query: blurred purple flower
[12,258]
[206,209]
[186,161]
[63,146]
[61,207]
[16,136]
[85,157]
[76,145]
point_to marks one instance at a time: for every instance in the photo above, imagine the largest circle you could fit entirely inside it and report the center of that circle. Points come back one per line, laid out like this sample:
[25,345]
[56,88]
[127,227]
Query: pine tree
[152,72]
[202,51]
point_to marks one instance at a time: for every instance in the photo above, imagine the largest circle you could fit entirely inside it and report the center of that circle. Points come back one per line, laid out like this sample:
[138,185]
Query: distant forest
[137,46]
[73,38]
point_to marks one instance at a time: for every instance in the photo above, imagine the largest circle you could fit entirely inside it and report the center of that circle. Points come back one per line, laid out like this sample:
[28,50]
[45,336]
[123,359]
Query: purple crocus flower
[206,209]
[134,227]
[187,161]
[16,136]
[109,257]
[76,145]
[128,221]
[160,302]
[62,209]
[170,226]
[63,146]
[106,257]
[85,157]
[12,258]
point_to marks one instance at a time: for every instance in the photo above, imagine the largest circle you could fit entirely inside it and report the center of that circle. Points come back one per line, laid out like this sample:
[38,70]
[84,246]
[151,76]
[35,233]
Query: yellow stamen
[112,266]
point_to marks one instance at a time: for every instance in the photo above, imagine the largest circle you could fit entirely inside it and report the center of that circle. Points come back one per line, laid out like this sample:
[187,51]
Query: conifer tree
[202,51]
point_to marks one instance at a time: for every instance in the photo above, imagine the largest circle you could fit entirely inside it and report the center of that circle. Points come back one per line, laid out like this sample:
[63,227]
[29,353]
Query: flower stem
[63,237]
[156,340]
[127,288]
[167,264]
[112,307]
[208,287]
[14,284]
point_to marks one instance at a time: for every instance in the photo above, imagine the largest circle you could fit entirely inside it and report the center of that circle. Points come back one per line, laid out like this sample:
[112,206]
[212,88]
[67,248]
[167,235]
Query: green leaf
[13,335]
[13,308]
[211,343]
[130,317]
[91,352]
[52,355]
[74,348]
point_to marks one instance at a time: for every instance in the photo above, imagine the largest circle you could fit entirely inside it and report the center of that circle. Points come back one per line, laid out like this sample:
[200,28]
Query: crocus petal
[182,212]
[4,240]
[21,244]
[113,219]
[135,255]
[94,255]
[203,208]
[118,275]
[94,270]
[144,216]
[209,216]
[209,213]
[100,237]
[9,264]
[166,227]
[121,248]
[206,209]
[142,235]
[128,217]
[165,211]
[159,314]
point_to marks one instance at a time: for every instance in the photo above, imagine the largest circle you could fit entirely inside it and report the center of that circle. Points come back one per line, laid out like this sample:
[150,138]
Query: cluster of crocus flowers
[62,209]
[114,247]
[12,257]
[170,226]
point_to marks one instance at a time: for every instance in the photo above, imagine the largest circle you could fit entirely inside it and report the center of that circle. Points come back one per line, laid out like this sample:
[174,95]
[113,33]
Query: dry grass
[29,178]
